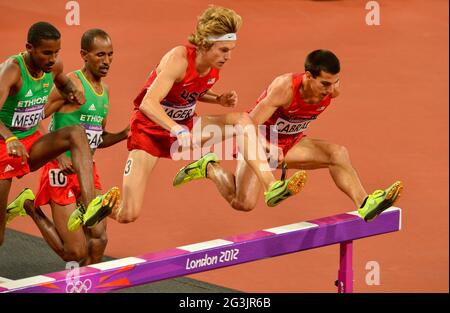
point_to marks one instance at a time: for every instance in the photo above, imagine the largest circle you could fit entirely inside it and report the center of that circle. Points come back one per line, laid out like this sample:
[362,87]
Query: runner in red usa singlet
[291,122]
[179,104]
[286,109]
[164,112]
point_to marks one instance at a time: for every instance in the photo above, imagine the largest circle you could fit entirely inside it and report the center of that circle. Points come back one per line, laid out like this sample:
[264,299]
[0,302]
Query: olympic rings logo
[79,286]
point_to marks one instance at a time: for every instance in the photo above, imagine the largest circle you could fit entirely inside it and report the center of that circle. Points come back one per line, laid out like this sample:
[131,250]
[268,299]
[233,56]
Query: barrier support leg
[345,274]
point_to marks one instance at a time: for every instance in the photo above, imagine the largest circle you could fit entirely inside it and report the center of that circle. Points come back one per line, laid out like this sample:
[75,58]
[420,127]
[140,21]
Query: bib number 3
[128,167]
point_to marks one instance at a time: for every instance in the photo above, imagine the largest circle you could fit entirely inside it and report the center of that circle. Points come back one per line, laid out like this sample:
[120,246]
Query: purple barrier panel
[232,250]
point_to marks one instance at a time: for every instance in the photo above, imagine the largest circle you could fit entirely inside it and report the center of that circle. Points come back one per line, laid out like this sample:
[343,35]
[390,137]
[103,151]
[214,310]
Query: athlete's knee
[126,218]
[76,133]
[242,205]
[129,208]
[76,254]
[127,215]
[100,242]
[245,119]
[72,130]
[245,125]
[339,155]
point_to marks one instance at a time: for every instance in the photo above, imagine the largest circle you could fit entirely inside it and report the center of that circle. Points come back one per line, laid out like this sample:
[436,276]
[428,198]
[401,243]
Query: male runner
[25,83]
[290,104]
[165,109]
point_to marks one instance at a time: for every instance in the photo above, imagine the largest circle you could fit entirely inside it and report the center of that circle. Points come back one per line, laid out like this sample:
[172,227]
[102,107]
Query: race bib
[26,118]
[292,127]
[57,178]
[94,135]
[179,112]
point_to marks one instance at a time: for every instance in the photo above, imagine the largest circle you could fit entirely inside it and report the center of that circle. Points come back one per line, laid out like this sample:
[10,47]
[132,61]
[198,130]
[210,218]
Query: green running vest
[22,112]
[90,115]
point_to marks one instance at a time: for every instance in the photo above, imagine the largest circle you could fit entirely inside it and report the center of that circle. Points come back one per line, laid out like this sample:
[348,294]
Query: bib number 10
[57,178]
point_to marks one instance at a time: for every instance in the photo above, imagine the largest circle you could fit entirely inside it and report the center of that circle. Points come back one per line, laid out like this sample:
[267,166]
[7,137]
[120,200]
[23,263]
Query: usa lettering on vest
[291,127]
[179,113]
[28,117]
[192,96]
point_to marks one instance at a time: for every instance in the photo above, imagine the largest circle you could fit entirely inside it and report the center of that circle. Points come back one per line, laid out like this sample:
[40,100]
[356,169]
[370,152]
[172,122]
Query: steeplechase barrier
[339,229]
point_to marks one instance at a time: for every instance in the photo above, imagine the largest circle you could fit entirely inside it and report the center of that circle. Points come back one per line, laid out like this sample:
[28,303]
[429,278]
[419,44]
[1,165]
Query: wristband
[184,130]
[12,138]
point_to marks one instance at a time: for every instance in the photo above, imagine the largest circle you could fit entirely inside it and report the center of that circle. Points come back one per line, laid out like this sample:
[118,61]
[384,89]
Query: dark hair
[42,30]
[322,60]
[88,37]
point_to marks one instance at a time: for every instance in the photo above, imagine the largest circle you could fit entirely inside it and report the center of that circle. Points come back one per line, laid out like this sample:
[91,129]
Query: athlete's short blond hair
[214,21]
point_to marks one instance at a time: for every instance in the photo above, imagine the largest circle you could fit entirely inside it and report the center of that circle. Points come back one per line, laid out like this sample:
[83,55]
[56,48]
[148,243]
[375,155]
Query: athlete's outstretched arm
[171,69]
[110,139]
[278,95]
[66,86]
[227,99]
[54,103]
[9,76]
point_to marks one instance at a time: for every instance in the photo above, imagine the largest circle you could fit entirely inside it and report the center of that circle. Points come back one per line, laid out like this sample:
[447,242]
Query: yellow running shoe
[380,200]
[76,218]
[283,189]
[101,207]
[98,209]
[194,170]
[16,208]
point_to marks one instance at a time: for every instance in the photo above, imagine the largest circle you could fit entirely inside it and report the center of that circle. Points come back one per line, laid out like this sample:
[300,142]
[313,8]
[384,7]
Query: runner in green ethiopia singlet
[90,115]
[22,112]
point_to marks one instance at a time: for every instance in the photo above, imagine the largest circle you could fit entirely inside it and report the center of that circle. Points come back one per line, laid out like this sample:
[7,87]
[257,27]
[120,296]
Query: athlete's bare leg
[72,138]
[72,245]
[5,186]
[137,171]
[140,164]
[250,148]
[240,190]
[46,227]
[309,154]
[97,240]
[68,247]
